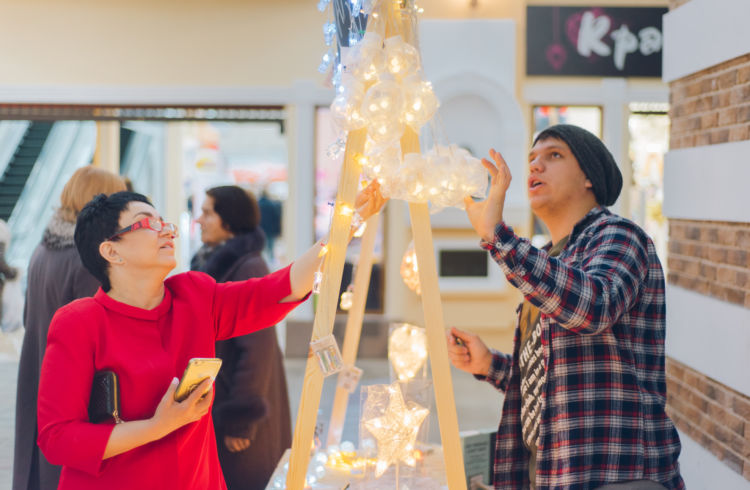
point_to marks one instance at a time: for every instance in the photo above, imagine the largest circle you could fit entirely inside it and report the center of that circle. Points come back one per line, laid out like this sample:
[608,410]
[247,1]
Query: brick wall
[711,258]
[713,415]
[712,106]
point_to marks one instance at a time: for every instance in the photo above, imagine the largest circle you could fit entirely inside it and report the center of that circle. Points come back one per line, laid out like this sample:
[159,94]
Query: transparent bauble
[345,108]
[347,298]
[384,100]
[414,179]
[320,458]
[383,163]
[385,130]
[420,102]
[402,59]
[366,60]
[407,350]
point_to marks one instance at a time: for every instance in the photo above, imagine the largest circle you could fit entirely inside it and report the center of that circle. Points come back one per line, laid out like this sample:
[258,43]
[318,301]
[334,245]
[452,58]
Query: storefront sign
[594,41]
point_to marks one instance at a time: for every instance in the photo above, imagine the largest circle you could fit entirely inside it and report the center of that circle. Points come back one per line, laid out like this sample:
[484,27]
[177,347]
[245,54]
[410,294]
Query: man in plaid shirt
[584,388]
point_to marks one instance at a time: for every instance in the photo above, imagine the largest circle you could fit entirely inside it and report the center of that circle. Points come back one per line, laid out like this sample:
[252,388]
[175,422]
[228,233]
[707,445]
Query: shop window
[587,117]
[648,126]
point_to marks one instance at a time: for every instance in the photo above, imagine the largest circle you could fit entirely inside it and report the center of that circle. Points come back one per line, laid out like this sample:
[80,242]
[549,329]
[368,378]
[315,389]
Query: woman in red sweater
[145,329]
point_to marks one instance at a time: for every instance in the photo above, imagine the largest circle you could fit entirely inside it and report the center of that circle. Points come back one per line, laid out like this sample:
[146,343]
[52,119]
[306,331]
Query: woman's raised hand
[369,201]
[170,415]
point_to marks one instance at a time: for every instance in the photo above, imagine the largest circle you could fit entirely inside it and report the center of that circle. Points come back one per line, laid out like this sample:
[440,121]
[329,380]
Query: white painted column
[175,203]
[616,136]
[107,153]
[299,209]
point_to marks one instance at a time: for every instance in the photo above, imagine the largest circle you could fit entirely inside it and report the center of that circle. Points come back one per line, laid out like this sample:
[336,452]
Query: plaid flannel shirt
[603,326]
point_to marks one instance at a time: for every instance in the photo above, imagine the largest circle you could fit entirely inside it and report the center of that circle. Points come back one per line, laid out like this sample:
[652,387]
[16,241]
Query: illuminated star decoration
[396,430]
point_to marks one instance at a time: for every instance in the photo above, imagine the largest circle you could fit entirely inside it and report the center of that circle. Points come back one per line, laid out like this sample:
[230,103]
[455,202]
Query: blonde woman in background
[56,277]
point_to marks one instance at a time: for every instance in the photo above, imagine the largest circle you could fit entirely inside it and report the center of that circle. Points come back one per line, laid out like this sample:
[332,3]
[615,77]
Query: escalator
[20,166]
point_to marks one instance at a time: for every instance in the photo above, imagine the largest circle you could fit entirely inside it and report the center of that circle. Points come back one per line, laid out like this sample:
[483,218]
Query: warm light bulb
[346,210]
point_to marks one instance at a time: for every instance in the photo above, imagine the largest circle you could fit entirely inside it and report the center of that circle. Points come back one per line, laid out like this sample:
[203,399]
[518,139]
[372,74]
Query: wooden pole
[435,330]
[354,325]
[326,310]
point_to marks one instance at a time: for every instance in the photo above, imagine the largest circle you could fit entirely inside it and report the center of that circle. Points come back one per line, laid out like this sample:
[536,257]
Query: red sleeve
[65,435]
[247,306]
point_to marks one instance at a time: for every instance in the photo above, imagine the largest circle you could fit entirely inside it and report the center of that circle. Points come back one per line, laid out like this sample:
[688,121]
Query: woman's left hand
[236,444]
[369,201]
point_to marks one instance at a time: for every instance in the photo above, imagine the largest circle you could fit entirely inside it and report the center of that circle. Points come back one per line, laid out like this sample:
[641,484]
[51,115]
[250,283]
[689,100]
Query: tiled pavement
[478,404]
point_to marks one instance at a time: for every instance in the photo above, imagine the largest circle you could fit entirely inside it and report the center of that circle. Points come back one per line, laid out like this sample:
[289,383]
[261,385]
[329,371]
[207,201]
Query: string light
[345,209]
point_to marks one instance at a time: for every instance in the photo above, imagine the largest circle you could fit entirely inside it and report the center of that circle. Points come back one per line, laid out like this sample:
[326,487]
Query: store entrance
[648,130]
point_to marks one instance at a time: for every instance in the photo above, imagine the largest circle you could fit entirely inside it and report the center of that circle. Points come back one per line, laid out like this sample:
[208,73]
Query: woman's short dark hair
[98,220]
[237,208]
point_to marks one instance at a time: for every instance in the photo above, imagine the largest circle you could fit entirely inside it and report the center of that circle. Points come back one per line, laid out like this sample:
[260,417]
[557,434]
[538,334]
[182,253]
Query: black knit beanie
[594,158]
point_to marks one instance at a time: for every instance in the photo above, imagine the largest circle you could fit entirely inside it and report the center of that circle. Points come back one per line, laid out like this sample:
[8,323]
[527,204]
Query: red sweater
[146,348]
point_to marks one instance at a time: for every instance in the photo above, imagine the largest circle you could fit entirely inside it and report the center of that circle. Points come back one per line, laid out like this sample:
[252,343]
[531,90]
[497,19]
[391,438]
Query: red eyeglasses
[155,224]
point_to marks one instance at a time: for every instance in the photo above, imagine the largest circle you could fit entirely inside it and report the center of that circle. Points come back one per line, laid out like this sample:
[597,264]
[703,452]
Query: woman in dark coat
[251,408]
[55,277]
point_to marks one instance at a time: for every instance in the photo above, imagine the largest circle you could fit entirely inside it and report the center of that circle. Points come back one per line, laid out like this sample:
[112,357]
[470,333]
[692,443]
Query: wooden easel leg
[437,347]
[354,325]
[326,310]
[435,330]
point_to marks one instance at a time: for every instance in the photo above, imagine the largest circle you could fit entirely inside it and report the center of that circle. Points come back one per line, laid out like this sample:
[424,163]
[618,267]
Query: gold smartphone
[198,369]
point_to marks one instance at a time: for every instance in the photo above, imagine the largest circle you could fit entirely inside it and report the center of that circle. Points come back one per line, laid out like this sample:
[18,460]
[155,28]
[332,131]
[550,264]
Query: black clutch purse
[104,404]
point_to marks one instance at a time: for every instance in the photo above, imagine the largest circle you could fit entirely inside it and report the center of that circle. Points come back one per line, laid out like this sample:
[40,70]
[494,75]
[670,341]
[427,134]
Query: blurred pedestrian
[270,220]
[251,410]
[56,277]
[7,273]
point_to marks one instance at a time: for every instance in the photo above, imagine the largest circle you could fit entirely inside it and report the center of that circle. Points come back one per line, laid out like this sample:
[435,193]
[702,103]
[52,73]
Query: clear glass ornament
[345,108]
[347,298]
[407,350]
[320,458]
[366,60]
[420,104]
[402,59]
[317,281]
